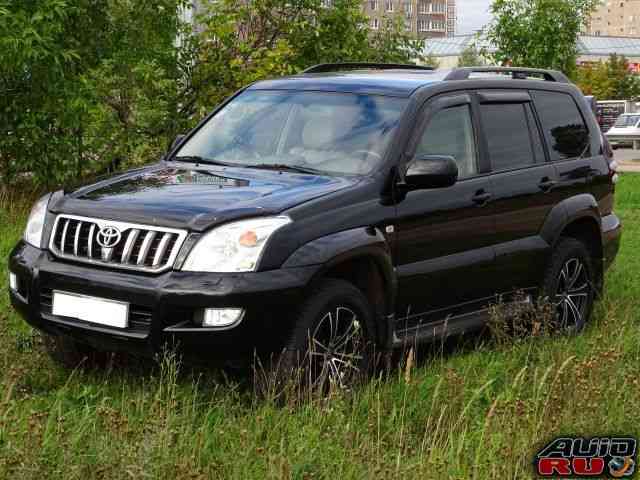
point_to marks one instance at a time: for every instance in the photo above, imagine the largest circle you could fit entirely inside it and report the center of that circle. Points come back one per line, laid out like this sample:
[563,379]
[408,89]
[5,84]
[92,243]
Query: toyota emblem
[108,236]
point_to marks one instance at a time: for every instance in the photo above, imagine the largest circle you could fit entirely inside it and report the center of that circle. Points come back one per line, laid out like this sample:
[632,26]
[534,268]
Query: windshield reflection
[329,132]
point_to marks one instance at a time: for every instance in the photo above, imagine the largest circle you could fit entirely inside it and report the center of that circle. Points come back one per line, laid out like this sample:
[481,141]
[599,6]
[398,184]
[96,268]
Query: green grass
[471,410]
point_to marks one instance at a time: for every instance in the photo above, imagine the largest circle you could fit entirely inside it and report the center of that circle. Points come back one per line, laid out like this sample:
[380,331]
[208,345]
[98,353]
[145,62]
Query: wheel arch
[576,217]
[361,256]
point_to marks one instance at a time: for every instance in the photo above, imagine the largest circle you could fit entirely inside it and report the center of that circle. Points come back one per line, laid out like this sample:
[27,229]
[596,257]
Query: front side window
[506,128]
[329,132]
[564,128]
[450,132]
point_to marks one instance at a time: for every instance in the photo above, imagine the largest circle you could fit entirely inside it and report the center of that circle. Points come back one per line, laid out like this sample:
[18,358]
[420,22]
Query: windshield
[327,132]
[627,121]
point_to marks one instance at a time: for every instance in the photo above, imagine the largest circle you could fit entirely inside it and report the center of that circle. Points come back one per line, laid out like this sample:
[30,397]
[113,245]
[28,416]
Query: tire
[331,344]
[570,284]
[69,353]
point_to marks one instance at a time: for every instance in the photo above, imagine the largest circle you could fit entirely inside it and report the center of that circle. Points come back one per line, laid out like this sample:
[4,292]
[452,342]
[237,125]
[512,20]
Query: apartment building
[424,18]
[616,18]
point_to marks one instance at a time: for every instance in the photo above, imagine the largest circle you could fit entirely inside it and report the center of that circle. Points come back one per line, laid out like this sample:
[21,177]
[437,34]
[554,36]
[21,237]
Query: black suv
[349,207]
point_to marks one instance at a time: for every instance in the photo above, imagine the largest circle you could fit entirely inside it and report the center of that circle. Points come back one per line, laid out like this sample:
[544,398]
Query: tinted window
[450,132]
[567,135]
[507,131]
[536,140]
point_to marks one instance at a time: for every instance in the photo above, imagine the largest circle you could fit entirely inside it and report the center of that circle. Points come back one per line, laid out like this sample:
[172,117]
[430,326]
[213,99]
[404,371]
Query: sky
[472,15]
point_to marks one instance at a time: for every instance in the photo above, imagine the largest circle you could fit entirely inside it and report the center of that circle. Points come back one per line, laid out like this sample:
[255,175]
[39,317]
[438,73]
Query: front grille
[139,315]
[115,244]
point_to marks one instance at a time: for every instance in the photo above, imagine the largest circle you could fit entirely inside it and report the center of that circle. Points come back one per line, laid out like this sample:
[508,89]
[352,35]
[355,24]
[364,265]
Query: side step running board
[437,330]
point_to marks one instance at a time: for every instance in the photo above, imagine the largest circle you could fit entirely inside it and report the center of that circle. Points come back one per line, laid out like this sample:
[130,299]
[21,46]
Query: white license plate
[91,309]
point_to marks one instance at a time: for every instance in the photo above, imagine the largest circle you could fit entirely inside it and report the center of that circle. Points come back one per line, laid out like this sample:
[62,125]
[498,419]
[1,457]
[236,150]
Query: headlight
[234,247]
[35,224]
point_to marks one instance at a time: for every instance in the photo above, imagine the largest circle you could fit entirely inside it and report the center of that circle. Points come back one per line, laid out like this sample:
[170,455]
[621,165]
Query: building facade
[424,18]
[619,18]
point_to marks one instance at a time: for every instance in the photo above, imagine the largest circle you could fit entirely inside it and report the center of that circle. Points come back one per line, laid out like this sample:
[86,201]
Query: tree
[83,82]
[610,80]
[470,57]
[538,33]
[245,41]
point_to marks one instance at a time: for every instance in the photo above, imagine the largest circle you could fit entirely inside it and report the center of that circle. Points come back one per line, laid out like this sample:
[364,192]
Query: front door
[444,256]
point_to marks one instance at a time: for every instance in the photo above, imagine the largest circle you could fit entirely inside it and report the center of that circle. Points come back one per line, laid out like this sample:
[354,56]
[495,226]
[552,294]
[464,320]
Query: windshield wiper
[198,159]
[284,166]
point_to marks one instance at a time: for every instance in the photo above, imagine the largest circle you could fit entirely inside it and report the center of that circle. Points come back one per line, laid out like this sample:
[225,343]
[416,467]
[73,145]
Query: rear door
[568,142]
[444,253]
[522,182]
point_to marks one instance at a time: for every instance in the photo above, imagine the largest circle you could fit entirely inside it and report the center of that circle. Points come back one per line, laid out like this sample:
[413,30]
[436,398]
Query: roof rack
[517,73]
[334,67]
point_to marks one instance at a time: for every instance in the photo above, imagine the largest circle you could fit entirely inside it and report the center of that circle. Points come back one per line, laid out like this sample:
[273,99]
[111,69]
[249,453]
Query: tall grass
[469,408]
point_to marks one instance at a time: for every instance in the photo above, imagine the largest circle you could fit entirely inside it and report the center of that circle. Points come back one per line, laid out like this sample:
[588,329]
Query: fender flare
[566,212]
[362,242]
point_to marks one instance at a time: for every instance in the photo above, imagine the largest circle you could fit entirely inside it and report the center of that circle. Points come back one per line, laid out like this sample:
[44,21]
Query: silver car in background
[625,131]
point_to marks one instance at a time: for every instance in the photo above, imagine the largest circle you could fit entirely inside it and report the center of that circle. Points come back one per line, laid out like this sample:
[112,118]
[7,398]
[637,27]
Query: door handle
[481,198]
[546,184]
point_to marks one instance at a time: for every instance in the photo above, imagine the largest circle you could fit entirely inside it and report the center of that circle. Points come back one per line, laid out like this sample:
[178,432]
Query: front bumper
[618,139]
[161,306]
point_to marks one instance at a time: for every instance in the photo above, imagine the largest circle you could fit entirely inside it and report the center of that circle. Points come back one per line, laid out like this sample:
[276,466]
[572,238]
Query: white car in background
[626,131]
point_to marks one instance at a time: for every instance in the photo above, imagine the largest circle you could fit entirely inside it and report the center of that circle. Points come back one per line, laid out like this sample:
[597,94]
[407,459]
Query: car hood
[194,196]
[631,130]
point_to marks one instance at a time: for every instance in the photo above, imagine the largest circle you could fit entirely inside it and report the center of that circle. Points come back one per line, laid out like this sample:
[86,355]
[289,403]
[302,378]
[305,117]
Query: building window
[375,24]
[373,5]
[408,9]
[389,6]
[422,6]
[423,25]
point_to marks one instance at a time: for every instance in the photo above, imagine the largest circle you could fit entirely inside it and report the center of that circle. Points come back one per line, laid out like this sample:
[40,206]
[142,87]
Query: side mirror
[176,141]
[431,171]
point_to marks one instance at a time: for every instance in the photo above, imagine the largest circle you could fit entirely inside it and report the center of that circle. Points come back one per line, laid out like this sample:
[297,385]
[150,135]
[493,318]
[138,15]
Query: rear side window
[564,128]
[506,128]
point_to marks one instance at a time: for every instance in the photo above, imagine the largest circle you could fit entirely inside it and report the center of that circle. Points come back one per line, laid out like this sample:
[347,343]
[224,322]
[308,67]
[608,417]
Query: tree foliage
[610,80]
[538,33]
[244,41]
[91,85]
[83,82]
[470,57]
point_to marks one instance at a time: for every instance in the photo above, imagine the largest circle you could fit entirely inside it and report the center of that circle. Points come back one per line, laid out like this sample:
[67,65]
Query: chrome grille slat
[162,246]
[128,246]
[76,238]
[144,249]
[141,247]
[90,240]
[64,235]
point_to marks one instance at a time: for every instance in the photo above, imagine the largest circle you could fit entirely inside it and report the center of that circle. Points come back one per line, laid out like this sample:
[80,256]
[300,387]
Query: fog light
[218,317]
[13,281]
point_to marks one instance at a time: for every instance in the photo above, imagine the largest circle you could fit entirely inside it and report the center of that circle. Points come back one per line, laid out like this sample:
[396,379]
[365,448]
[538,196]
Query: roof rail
[516,73]
[334,67]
